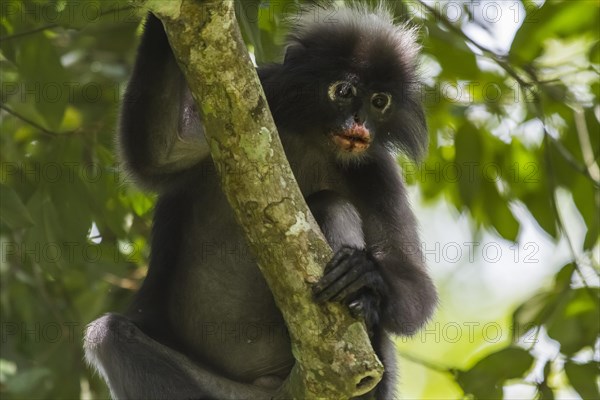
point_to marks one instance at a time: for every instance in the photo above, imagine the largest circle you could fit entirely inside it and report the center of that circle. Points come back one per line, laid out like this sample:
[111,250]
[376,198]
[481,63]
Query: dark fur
[187,331]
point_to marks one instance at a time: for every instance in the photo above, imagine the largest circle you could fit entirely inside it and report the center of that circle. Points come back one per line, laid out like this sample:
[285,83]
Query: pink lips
[356,139]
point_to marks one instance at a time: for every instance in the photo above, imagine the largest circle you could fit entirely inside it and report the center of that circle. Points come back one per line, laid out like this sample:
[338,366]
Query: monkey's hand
[352,278]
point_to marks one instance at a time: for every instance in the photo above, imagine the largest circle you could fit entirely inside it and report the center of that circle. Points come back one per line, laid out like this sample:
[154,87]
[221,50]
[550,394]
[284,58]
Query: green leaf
[73,211]
[544,390]
[502,218]
[141,203]
[262,26]
[541,306]
[553,19]
[563,278]
[12,210]
[25,381]
[539,205]
[531,312]
[8,25]
[468,158]
[44,238]
[40,65]
[455,57]
[587,200]
[247,17]
[484,380]
[575,323]
[583,378]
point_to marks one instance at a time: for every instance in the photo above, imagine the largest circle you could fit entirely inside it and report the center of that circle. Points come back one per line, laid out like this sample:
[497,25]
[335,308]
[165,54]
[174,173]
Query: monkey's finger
[337,280]
[365,305]
[370,280]
[332,292]
[335,272]
[337,258]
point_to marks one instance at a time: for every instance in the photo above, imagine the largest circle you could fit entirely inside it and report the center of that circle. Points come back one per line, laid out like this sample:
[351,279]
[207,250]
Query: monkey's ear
[294,52]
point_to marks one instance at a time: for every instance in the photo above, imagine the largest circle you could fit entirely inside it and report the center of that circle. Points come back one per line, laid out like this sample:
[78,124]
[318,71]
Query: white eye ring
[383,96]
[335,87]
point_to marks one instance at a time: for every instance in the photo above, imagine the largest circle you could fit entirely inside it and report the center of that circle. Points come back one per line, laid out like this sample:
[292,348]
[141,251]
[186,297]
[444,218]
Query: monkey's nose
[359,118]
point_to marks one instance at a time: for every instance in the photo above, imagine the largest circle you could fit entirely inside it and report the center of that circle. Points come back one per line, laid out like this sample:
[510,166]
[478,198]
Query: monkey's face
[350,88]
[347,113]
[359,112]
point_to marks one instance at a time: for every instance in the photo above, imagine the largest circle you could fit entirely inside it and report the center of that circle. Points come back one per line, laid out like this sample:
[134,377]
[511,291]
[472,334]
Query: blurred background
[508,198]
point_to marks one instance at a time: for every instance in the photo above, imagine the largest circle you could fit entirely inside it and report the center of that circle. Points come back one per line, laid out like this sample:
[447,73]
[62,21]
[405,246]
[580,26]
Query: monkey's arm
[409,296]
[350,277]
[161,134]
[383,278]
[338,219]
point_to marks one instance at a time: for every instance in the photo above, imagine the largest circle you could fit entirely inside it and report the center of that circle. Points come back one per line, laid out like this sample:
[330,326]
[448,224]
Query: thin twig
[28,121]
[26,33]
[428,364]
[586,144]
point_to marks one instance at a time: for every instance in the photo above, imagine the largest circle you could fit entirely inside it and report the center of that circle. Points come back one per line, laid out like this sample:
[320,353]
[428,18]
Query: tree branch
[334,358]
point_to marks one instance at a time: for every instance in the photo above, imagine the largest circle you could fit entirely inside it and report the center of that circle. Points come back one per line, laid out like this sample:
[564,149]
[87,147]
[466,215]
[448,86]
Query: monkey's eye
[381,101]
[341,90]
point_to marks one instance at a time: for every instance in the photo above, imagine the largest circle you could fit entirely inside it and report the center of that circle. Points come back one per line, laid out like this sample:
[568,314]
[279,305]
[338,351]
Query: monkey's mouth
[355,139]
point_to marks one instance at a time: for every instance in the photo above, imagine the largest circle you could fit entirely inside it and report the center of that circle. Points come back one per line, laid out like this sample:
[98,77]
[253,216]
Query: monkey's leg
[137,367]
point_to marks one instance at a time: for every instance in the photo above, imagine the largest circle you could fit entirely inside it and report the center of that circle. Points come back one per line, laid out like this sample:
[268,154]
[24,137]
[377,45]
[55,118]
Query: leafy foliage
[508,129]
